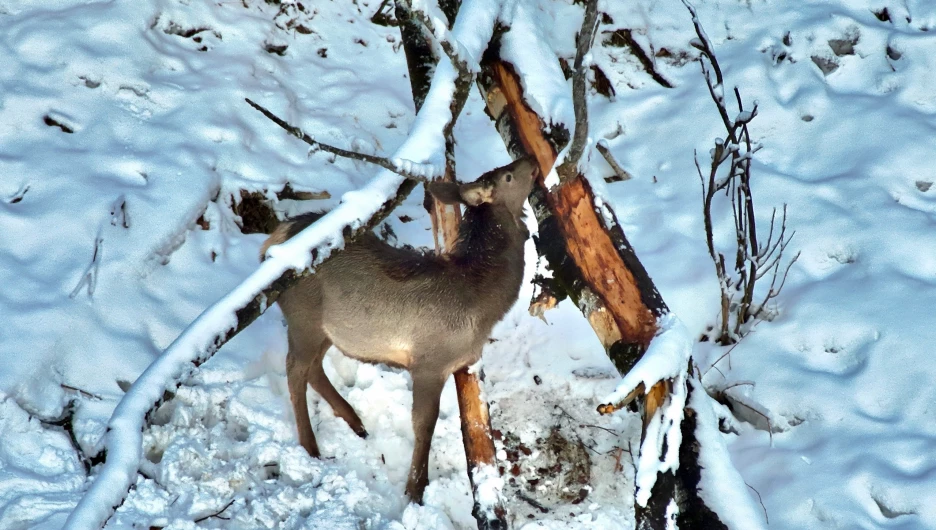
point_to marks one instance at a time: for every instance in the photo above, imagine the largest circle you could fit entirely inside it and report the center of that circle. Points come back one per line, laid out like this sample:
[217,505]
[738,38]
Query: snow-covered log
[594,264]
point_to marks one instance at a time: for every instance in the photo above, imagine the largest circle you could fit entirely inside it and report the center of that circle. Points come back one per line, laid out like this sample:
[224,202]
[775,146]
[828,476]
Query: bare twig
[89,276]
[622,173]
[704,45]
[762,415]
[82,393]
[753,259]
[761,501]
[568,169]
[599,427]
[217,513]
[397,166]
[727,354]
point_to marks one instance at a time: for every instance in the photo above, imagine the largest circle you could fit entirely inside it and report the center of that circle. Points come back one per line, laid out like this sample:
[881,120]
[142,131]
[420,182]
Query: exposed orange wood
[586,238]
[654,400]
[476,423]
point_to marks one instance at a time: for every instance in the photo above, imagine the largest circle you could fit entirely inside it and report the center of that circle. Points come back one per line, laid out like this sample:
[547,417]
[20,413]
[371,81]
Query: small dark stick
[217,513]
[606,153]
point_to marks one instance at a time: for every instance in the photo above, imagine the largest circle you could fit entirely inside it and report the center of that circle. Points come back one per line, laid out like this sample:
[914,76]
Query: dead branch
[568,169]
[397,166]
[624,38]
[753,259]
[608,408]
[532,502]
[622,173]
[217,513]
[761,501]
[82,393]
[89,276]
[449,46]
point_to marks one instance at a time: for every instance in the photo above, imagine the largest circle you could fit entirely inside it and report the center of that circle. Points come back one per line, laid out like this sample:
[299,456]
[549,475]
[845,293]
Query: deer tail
[287,229]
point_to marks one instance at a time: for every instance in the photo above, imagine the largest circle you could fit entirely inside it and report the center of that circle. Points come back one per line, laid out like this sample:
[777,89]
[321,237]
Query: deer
[428,314]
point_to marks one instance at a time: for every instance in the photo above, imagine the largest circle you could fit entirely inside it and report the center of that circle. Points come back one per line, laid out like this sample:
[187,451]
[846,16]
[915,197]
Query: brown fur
[428,314]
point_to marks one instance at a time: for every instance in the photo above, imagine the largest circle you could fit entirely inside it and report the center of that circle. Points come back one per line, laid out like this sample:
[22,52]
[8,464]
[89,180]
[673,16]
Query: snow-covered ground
[124,140]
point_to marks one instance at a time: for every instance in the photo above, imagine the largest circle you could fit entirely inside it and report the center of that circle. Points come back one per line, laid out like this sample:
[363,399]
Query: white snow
[721,486]
[162,144]
[488,484]
[666,358]
[526,47]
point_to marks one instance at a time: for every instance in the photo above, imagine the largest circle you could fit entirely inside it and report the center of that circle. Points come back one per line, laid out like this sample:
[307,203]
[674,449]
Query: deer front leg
[296,379]
[426,391]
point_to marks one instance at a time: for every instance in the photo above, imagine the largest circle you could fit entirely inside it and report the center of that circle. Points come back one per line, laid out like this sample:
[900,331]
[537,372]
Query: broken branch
[568,169]
[404,168]
[622,173]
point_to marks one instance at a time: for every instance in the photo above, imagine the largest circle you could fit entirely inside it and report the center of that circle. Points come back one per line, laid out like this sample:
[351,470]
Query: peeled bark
[593,263]
[479,449]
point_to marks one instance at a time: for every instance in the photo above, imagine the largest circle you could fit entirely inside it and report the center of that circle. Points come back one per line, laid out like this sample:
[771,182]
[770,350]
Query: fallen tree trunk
[593,263]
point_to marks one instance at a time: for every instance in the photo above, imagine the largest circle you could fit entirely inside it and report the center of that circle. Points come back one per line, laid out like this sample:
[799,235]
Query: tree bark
[420,60]
[593,263]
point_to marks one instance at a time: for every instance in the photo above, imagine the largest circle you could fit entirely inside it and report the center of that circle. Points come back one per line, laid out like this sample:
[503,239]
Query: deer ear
[446,192]
[475,194]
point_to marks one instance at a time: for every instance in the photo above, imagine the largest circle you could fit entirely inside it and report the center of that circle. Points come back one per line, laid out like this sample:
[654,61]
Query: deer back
[386,304]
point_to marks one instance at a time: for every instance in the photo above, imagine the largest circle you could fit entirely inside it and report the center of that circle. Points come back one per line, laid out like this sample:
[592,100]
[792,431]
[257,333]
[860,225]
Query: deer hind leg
[427,388]
[321,384]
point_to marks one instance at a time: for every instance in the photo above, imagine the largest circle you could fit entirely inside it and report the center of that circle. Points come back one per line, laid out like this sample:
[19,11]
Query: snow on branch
[545,88]
[667,359]
[358,212]
[434,23]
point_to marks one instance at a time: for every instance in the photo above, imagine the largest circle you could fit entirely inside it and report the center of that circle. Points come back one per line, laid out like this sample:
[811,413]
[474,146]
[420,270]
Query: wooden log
[479,450]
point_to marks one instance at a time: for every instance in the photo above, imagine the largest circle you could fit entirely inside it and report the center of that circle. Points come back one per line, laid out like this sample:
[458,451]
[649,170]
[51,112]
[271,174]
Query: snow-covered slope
[124,134]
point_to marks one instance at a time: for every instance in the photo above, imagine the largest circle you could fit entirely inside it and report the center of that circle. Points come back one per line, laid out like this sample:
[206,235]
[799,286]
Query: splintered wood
[586,239]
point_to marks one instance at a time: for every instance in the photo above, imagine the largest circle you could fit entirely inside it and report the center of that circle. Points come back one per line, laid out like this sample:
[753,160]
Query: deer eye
[509,177]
